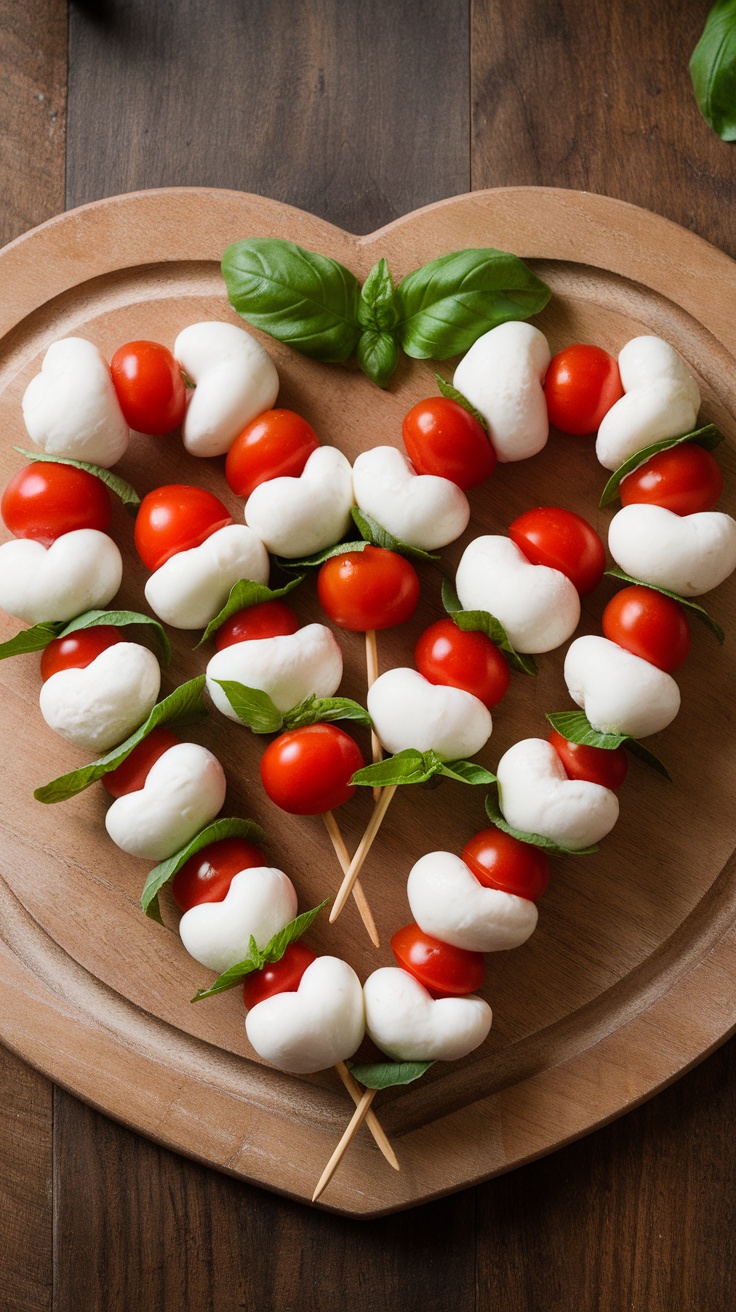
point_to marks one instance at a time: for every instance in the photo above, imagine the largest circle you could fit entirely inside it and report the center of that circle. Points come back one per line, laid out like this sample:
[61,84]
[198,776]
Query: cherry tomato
[650,625]
[563,540]
[174,518]
[150,387]
[277,444]
[267,619]
[47,499]
[685,479]
[500,861]
[581,385]
[370,589]
[307,771]
[132,773]
[282,976]
[443,438]
[446,654]
[595,764]
[78,650]
[444,970]
[207,876]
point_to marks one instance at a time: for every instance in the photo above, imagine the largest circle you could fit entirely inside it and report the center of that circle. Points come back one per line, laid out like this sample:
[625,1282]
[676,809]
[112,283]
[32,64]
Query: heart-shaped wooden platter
[631,975]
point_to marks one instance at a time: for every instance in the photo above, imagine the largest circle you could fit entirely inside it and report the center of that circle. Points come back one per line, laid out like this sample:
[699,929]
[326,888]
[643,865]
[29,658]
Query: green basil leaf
[495,815]
[227,827]
[407,767]
[615,573]
[253,706]
[450,302]
[576,728]
[121,619]
[378,308]
[708,437]
[276,947]
[116,484]
[298,296]
[378,356]
[451,394]
[184,704]
[33,639]
[243,594]
[319,557]
[258,958]
[378,536]
[713,70]
[387,1074]
[467,772]
[480,621]
[644,754]
[315,710]
[235,975]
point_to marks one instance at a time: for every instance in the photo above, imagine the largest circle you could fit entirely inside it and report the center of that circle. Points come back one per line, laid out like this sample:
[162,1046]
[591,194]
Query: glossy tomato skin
[444,970]
[686,479]
[46,500]
[207,876]
[549,535]
[597,765]
[277,444]
[581,385]
[650,625]
[176,517]
[442,438]
[446,654]
[150,387]
[282,976]
[267,619]
[500,861]
[131,775]
[369,589]
[307,771]
[78,650]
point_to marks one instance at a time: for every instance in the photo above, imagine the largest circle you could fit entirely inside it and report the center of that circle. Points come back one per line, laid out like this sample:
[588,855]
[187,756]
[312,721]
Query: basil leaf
[257,958]
[243,594]
[253,706]
[495,815]
[638,749]
[116,484]
[121,619]
[387,1074]
[407,767]
[184,704]
[576,728]
[713,70]
[708,437]
[378,308]
[378,356]
[377,536]
[314,710]
[615,573]
[33,639]
[319,557]
[450,302]
[467,772]
[298,296]
[451,394]
[235,975]
[480,621]
[227,827]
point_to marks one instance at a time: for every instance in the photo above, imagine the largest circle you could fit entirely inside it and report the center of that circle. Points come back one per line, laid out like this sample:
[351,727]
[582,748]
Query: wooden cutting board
[630,977]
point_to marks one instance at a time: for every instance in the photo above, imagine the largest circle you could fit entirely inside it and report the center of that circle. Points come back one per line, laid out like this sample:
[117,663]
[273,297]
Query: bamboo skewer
[372,1122]
[364,848]
[371,670]
[359,1115]
[343,856]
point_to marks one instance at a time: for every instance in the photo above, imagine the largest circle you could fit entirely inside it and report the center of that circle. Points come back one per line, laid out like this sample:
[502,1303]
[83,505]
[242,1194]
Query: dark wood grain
[26,1111]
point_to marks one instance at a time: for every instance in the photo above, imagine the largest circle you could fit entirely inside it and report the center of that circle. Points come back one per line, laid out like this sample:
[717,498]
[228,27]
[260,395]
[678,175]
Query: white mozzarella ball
[536,797]
[419,509]
[688,554]
[71,407]
[449,903]
[80,571]
[184,790]
[502,376]
[258,903]
[298,516]
[99,706]
[409,711]
[408,1024]
[660,400]
[191,587]
[323,1022]
[539,607]
[236,380]
[619,692]
[289,667]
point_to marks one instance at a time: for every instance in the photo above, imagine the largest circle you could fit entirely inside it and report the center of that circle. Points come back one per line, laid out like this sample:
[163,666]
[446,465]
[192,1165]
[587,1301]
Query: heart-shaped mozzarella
[80,571]
[660,400]
[323,1022]
[289,668]
[502,376]
[409,711]
[298,516]
[258,903]
[183,792]
[449,903]
[191,587]
[688,554]
[98,706]
[536,797]
[420,509]
[71,407]
[236,381]
[619,692]
[408,1024]
[539,607]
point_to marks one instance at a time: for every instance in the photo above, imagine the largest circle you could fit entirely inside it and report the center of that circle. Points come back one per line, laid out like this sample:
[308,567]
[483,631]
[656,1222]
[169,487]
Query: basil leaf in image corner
[407,767]
[319,557]
[378,356]
[388,1074]
[227,827]
[34,639]
[709,437]
[451,393]
[252,706]
[243,594]
[378,308]
[493,811]
[121,619]
[449,303]
[467,772]
[257,958]
[325,710]
[116,484]
[713,70]
[575,727]
[304,299]
[615,573]
[377,536]
[480,621]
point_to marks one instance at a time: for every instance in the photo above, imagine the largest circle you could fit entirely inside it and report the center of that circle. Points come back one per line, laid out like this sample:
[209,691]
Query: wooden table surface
[360,110]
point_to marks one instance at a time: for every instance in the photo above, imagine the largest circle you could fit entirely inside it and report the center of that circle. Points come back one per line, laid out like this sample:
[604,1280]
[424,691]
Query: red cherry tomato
[563,540]
[207,876]
[446,654]
[499,861]
[282,976]
[131,775]
[444,970]
[78,650]
[581,385]
[443,438]
[307,771]
[595,764]
[650,625]
[370,589]
[46,499]
[267,619]
[174,518]
[685,479]
[277,444]
[150,387]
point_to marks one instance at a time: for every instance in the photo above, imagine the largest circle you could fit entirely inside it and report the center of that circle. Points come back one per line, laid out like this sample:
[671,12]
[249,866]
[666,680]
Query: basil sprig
[451,394]
[480,621]
[227,827]
[374,533]
[615,573]
[388,1074]
[496,817]
[243,594]
[116,484]
[708,437]
[258,712]
[40,635]
[414,767]
[576,728]
[257,957]
[713,70]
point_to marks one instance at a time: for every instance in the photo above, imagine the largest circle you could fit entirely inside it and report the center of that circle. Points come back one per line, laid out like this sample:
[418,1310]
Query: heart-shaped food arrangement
[362,531]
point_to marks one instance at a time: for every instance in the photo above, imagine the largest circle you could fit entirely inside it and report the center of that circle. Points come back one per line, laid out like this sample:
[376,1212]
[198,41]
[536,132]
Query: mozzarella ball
[184,790]
[539,607]
[192,587]
[502,376]
[298,516]
[660,400]
[71,407]
[420,509]
[688,554]
[409,711]
[289,667]
[323,1022]
[536,797]
[619,692]
[236,380]
[98,706]
[259,902]
[408,1024]
[80,571]
[449,903]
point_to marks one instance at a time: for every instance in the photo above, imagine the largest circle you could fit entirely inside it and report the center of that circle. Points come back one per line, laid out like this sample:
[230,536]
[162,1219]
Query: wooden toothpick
[359,1115]
[343,856]
[371,670]
[371,1121]
[364,848]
